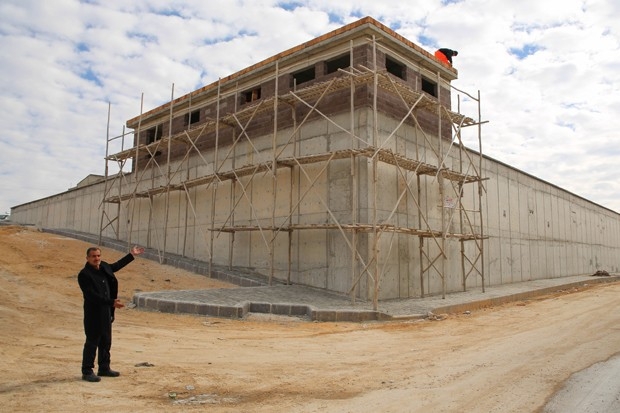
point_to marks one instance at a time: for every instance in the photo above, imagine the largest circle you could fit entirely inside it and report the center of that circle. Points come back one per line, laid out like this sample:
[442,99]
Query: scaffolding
[461,216]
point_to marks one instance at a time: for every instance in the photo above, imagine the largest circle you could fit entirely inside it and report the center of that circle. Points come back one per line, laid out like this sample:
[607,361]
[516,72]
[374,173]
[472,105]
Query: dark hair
[90,249]
[455,52]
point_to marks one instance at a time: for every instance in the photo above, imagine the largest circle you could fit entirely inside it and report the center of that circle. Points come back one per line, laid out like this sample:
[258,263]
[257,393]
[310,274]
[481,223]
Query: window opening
[303,76]
[341,62]
[192,117]
[429,87]
[396,68]
[251,95]
[153,134]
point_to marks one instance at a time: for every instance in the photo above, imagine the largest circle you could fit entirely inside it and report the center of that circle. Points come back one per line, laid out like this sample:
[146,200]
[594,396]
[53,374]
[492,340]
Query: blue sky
[547,74]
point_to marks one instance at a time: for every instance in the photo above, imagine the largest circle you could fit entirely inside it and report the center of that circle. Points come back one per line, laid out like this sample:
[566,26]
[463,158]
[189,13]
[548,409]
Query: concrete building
[337,164]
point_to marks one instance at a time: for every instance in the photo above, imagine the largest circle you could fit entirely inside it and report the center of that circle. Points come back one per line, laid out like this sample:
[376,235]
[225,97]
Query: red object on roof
[442,57]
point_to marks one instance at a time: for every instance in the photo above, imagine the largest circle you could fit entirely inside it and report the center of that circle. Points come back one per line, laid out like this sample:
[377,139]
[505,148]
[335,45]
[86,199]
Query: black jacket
[449,53]
[100,288]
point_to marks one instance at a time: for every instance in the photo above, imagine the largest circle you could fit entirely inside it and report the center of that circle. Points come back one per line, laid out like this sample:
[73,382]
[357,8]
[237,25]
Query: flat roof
[348,30]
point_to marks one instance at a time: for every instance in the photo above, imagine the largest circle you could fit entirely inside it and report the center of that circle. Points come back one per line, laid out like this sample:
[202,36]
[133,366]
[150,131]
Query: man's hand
[136,250]
[118,304]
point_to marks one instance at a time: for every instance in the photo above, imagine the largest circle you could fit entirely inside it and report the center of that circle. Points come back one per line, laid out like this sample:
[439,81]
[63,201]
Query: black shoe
[108,373]
[91,377]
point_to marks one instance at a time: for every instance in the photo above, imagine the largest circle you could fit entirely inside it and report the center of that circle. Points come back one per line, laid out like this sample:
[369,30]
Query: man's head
[93,256]
[455,53]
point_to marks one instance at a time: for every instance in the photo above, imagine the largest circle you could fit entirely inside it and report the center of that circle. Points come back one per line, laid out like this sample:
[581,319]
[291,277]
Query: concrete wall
[540,231]
[535,229]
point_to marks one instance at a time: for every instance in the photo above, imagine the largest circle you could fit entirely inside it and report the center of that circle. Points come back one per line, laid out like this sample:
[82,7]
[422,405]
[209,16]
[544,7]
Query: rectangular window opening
[341,62]
[251,95]
[429,87]
[192,117]
[153,134]
[396,68]
[303,76]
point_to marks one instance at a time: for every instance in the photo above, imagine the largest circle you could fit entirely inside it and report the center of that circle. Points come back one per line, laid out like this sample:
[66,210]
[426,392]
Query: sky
[548,75]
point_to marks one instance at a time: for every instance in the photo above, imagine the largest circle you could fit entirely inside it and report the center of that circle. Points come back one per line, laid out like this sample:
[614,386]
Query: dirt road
[506,359]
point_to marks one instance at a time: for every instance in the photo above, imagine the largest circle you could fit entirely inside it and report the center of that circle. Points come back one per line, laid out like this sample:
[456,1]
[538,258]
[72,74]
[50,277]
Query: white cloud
[547,75]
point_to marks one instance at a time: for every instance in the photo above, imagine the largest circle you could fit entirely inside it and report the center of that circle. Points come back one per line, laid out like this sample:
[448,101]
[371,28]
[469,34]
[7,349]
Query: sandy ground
[511,358]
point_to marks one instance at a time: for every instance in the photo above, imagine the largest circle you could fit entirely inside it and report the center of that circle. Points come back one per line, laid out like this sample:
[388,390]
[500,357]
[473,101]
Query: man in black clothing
[100,289]
[448,53]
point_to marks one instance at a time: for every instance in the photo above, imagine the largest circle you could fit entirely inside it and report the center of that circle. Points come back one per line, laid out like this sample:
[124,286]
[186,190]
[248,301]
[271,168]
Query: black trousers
[98,329]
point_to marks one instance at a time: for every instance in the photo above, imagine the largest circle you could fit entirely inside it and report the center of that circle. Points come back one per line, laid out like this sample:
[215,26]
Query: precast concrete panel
[562,208]
[241,249]
[387,192]
[191,227]
[504,227]
[172,240]
[524,211]
[452,266]
[493,252]
[156,235]
[506,261]
[538,259]
[546,213]
[280,252]
[412,266]
[432,283]
[70,213]
[52,218]
[539,265]
[312,255]
[78,221]
[473,280]
[583,240]
[564,223]
[340,132]
[434,204]
[523,231]
[492,210]
[588,240]
[388,265]
[340,188]
[171,221]
[313,139]
[243,195]
[314,191]
[61,204]
[91,215]
[553,233]
[572,229]
[339,260]
[589,227]
[142,207]
[573,261]
[582,258]
[555,213]
[451,208]
[262,197]
[259,250]
[405,261]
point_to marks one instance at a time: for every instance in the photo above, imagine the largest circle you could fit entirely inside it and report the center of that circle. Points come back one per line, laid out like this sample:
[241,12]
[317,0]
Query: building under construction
[337,164]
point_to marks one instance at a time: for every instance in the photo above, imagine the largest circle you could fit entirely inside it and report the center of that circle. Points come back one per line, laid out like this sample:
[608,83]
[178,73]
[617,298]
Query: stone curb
[495,301]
